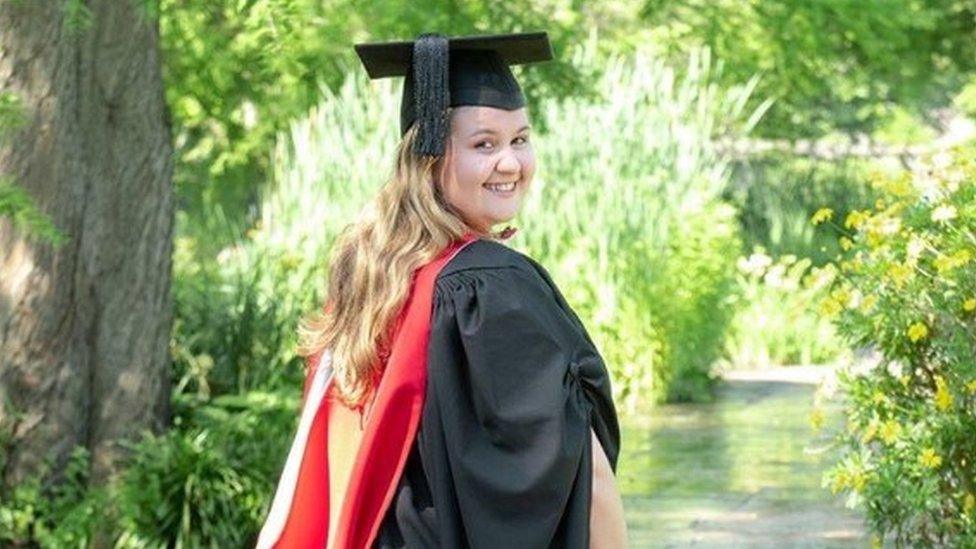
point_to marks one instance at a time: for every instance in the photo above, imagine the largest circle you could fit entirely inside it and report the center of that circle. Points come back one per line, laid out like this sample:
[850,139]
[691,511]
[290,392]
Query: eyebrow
[488,130]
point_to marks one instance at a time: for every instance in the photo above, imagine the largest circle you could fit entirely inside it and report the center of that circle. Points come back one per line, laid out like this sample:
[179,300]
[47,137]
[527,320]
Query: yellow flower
[899,273]
[943,398]
[968,503]
[878,398]
[900,186]
[855,219]
[821,215]
[890,431]
[868,302]
[830,307]
[842,296]
[839,481]
[969,305]
[943,213]
[945,263]
[917,331]
[816,419]
[879,204]
[846,243]
[870,432]
[290,261]
[971,387]
[930,459]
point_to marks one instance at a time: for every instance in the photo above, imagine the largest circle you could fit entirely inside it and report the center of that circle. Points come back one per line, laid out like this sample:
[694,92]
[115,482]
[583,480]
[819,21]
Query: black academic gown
[502,457]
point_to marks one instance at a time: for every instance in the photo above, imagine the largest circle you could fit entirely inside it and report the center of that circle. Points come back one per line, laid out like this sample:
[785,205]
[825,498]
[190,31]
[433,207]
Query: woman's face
[489,150]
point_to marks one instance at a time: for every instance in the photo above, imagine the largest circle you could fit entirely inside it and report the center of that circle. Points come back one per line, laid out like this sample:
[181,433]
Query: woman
[454,398]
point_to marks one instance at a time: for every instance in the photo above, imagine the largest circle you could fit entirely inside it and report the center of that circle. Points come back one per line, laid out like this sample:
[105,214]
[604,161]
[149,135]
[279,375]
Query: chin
[498,222]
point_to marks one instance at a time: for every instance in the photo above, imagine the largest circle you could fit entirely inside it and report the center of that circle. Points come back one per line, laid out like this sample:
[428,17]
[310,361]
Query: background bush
[907,287]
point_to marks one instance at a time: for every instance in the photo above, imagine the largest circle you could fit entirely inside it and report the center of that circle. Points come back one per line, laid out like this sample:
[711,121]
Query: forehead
[470,118]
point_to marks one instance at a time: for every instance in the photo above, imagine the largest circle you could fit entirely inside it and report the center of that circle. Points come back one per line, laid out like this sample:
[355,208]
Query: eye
[524,139]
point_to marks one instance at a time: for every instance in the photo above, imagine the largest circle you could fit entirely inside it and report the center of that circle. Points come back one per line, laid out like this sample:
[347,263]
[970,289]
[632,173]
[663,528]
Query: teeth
[501,187]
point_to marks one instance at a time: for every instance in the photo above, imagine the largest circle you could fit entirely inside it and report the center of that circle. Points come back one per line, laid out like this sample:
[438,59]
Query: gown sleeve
[516,385]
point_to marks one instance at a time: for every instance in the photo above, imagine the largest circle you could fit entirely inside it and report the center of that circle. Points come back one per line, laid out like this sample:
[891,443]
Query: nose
[508,163]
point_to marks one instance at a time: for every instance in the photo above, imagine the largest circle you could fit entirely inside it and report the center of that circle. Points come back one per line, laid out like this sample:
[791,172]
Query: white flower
[942,160]
[915,248]
[895,369]
[943,213]
[953,178]
[755,263]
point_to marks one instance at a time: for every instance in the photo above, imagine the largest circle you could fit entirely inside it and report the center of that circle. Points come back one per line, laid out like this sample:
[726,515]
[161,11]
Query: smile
[500,188]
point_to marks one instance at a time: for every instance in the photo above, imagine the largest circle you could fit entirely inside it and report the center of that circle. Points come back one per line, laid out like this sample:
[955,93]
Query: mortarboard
[444,72]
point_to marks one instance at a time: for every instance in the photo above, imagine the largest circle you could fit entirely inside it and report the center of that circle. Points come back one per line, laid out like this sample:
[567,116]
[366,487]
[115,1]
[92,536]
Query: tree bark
[84,327]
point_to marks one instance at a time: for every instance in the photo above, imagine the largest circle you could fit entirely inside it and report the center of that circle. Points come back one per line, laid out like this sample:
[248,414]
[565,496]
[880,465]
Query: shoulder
[488,284]
[483,254]
[487,259]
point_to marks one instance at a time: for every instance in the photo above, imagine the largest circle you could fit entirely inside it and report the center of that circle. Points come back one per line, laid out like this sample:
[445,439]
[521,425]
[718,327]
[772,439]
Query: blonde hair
[370,269]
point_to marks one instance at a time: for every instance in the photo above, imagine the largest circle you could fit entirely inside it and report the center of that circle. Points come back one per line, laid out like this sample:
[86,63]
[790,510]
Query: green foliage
[775,321]
[181,487]
[77,16]
[209,481]
[831,64]
[236,318]
[691,301]
[12,115]
[907,287]
[965,100]
[62,514]
[206,482]
[15,203]
[776,194]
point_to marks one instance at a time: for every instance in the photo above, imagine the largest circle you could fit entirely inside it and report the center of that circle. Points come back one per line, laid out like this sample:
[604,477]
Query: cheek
[527,161]
[472,171]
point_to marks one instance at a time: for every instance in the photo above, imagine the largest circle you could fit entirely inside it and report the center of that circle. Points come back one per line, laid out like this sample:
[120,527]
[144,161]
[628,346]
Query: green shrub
[907,287]
[236,317]
[54,514]
[209,481]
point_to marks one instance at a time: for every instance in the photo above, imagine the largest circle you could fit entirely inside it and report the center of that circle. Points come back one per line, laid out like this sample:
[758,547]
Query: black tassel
[432,95]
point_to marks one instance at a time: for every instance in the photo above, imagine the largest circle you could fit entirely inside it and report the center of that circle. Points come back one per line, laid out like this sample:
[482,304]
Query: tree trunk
[84,327]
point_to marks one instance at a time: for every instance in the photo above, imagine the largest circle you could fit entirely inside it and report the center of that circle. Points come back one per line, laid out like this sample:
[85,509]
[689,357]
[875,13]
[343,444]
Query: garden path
[742,471]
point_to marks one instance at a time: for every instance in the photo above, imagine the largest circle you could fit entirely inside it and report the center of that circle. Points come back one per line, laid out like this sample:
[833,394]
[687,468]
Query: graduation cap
[444,72]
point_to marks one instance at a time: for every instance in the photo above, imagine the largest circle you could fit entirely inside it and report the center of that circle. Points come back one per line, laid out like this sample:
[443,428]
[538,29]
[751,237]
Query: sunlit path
[744,471]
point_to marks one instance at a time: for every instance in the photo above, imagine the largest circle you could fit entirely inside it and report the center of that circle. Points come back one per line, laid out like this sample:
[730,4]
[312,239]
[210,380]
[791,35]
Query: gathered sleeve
[515,386]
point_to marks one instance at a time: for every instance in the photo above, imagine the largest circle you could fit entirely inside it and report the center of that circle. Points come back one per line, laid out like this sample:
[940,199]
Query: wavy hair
[371,264]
